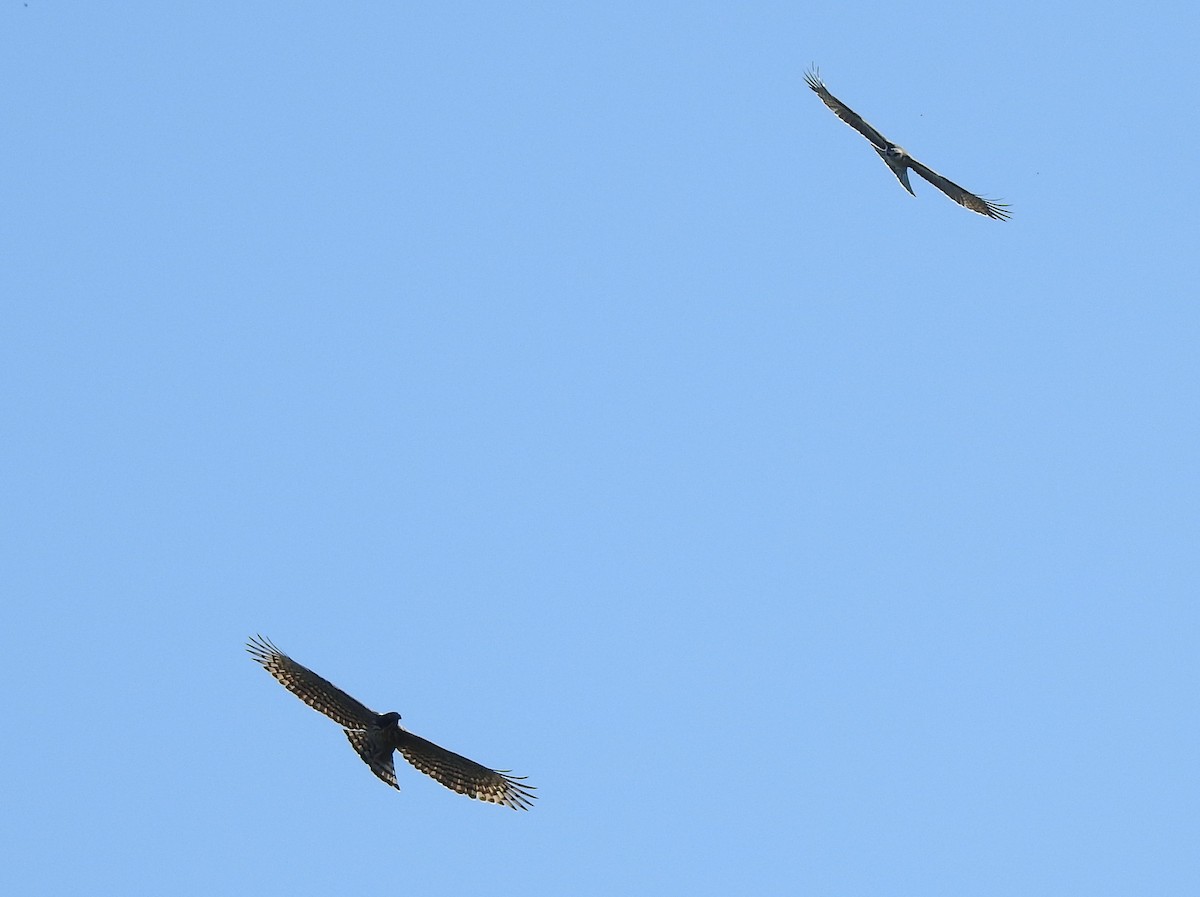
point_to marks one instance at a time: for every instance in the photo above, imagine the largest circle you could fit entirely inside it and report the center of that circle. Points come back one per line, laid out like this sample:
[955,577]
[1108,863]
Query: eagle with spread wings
[375,736]
[899,161]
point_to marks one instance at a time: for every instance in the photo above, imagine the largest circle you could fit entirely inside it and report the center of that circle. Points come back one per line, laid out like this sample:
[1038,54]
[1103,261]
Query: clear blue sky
[569,379]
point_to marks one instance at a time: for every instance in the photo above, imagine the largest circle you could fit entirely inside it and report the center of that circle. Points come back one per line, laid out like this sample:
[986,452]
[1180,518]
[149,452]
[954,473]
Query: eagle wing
[844,112]
[319,694]
[991,209]
[464,776]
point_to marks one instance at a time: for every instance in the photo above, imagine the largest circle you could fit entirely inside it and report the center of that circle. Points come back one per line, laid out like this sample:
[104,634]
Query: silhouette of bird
[899,161]
[375,736]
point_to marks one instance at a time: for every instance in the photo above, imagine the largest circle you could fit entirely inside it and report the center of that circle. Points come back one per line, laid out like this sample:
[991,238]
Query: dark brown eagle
[899,161]
[376,735]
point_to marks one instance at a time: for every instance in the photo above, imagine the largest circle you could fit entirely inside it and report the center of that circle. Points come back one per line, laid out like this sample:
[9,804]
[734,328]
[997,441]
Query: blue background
[569,379]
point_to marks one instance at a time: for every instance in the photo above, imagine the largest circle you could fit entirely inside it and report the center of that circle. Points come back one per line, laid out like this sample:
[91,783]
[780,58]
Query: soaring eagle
[899,161]
[376,735]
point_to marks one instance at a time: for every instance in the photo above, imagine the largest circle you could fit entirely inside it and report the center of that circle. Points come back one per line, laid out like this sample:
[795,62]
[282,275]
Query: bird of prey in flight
[376,735]
[899,161]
